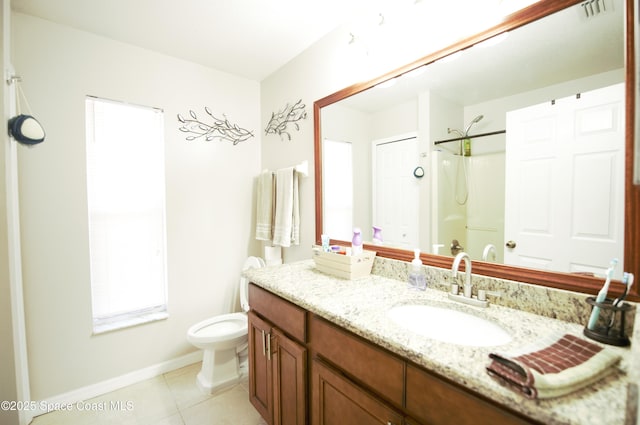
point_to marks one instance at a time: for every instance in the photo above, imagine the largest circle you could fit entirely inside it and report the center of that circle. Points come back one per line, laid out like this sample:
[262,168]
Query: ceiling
[254,38]
[249,38]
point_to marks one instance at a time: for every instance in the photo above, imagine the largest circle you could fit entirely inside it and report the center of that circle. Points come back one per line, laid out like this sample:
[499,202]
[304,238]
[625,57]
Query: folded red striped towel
[554,367]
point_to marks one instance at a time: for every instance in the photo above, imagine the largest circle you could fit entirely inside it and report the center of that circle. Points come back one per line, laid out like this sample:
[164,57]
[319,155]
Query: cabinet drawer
[370,365]
[287,316]
[434,401]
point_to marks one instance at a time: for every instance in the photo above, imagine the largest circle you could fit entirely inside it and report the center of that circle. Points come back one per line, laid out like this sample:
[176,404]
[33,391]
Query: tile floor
[169,399]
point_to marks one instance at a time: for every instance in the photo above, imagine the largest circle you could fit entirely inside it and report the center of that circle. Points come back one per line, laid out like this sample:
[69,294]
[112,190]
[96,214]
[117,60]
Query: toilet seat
[219,328]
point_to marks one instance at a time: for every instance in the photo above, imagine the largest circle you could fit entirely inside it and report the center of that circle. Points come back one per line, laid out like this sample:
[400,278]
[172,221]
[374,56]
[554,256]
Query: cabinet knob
[263,344]
[510,244]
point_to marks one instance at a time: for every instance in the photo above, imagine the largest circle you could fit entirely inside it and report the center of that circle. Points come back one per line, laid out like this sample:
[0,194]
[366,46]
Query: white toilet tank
[250,263]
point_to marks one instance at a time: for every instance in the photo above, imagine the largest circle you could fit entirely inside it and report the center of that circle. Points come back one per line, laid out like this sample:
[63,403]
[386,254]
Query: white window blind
[126,204]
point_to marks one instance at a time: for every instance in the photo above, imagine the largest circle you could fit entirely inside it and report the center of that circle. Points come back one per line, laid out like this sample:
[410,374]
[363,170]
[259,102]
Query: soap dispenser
[417,278]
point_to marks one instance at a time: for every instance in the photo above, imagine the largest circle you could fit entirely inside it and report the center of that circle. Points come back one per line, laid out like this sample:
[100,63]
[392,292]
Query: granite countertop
[360,305]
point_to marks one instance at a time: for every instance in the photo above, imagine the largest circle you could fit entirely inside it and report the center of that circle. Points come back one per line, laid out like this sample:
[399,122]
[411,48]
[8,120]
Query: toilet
[224,341]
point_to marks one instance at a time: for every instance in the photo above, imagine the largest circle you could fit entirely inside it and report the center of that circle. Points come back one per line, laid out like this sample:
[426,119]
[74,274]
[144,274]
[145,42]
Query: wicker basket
[344,266]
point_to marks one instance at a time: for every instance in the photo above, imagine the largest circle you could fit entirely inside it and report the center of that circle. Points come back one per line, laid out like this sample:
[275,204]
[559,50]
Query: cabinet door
[289,361]
[337,401]
[260,371]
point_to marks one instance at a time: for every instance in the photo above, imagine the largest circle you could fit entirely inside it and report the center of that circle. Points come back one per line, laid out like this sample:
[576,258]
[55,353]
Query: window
[338,189]
[126,204]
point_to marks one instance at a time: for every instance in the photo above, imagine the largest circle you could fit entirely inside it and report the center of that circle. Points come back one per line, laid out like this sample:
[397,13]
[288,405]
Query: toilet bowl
[224,342]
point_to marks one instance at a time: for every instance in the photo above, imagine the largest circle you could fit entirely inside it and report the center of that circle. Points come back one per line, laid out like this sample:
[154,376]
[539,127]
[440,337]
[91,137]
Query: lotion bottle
[377,235]
[356,242]
[417,278]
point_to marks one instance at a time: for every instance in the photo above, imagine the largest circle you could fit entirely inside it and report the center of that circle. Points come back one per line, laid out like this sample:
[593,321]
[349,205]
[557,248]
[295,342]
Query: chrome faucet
[467,271]
[466,297]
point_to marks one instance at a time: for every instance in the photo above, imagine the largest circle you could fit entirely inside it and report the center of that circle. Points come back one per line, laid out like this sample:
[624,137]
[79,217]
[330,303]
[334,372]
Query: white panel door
[396,190]
[564,194]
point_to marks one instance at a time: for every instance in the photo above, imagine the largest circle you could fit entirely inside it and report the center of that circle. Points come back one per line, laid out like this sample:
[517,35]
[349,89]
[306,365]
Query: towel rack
[302,168]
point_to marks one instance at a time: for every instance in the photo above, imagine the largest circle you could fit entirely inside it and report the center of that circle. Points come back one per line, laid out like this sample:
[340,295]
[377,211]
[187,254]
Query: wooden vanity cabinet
[277,359]
[369,385]
[349,379]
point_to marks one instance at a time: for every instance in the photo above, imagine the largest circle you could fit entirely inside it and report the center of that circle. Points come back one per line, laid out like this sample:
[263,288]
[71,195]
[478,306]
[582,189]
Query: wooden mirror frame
[567,281]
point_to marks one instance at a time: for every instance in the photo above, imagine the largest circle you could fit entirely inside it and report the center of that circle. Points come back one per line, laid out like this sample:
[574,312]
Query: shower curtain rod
[470,137]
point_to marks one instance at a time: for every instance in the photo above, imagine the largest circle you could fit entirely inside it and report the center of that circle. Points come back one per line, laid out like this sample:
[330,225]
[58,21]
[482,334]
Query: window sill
[128,322]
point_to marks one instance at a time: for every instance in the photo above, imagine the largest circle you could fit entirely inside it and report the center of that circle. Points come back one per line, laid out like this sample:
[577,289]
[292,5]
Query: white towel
[295,224]
[264,207]
[287,213]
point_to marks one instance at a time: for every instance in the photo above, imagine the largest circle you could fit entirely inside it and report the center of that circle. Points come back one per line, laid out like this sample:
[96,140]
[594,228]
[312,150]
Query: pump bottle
[417,277]
[356,242]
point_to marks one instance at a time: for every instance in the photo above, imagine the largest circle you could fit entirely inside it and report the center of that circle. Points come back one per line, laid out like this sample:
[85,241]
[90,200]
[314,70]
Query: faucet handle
[482,294]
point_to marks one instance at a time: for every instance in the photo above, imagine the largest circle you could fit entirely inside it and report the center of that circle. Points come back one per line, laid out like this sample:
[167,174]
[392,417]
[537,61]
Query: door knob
[510,244]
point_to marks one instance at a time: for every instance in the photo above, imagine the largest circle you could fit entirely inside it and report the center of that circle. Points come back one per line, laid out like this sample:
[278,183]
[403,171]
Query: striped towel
[286,228]
[264,206]
[557,366]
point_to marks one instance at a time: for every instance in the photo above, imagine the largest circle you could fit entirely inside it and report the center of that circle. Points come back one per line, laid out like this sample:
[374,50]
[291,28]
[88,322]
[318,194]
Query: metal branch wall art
[220,129]
[291,114]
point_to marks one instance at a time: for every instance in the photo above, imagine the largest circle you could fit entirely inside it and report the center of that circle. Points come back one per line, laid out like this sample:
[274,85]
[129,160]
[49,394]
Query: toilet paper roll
[273,255]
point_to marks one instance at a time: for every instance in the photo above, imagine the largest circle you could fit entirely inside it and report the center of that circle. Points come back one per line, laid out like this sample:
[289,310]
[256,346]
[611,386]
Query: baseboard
[100,388]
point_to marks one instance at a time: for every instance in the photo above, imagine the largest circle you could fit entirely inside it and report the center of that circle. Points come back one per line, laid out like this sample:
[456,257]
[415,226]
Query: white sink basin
[448,325]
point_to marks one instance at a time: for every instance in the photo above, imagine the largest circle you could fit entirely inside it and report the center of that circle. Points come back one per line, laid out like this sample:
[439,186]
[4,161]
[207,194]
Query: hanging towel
[557,366]
[264,207]
[295,219]
[287,212]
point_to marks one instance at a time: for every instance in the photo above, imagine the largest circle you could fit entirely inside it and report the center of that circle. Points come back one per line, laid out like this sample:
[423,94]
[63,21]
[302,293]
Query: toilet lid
[250,263]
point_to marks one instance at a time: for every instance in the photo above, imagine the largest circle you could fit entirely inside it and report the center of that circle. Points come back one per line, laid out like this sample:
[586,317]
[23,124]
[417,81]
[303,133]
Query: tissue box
[344,266]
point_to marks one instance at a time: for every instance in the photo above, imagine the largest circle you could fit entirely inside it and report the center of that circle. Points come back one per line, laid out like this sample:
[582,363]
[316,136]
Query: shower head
[475,120]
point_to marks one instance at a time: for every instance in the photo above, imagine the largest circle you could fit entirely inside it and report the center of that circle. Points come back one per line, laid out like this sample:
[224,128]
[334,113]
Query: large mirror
[511,146]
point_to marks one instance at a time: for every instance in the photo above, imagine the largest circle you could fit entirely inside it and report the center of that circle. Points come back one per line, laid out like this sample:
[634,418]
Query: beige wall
[209,201]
